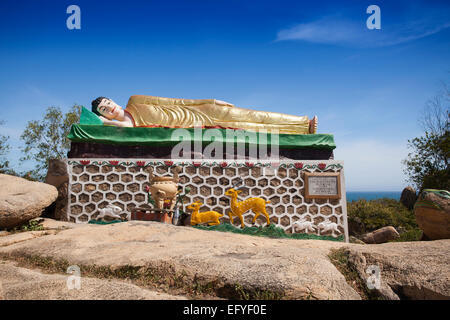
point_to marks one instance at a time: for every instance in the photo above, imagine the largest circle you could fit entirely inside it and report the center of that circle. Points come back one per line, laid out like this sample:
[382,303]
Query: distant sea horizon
[371,195]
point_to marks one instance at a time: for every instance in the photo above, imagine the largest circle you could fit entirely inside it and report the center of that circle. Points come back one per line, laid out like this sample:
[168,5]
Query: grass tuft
[162,277]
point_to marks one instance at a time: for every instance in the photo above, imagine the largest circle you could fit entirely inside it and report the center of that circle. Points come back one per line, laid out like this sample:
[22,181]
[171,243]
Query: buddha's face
[109,109]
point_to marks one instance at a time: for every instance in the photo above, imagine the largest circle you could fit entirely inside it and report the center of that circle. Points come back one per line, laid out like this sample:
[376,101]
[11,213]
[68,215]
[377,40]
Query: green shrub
[366,216]
[31,225]
[410,235]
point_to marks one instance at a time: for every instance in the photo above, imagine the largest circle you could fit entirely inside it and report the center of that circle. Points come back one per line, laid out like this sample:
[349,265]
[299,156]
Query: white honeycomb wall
[94,183]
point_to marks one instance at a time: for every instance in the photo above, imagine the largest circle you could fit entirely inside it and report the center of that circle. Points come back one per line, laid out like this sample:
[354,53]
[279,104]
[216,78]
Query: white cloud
[332,30]
[372,165]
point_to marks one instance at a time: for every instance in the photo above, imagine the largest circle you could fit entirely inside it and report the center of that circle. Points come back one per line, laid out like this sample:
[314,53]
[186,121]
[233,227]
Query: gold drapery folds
[152,111]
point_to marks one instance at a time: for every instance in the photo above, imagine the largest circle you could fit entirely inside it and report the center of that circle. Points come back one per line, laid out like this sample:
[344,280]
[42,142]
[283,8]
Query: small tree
[47,138]
[4,149]
[427,166]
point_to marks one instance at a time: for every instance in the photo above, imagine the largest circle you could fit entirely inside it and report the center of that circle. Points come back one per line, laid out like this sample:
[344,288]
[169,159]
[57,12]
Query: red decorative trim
[132,119]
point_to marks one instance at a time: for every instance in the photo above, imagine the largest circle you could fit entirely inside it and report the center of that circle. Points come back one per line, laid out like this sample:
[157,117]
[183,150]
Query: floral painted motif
[223,164]
[298,165]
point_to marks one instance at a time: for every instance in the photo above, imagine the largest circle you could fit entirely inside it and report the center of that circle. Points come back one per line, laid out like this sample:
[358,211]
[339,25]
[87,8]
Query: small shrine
[205,161]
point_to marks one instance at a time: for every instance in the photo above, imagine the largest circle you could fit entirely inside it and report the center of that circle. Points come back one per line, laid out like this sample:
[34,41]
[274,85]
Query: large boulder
[178,259]
[416,270]
[58,177]
[432,211]
[57,173]
[381,235]
[185,256]
[408,197]
[22,200]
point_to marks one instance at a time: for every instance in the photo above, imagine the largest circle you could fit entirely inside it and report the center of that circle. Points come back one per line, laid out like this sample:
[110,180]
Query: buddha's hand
[104,120]
[107,121]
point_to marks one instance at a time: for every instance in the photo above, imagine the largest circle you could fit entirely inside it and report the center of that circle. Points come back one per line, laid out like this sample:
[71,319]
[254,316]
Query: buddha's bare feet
[313,125]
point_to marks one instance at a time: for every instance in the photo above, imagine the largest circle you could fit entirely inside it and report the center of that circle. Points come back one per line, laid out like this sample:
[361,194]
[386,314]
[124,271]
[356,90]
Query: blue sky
[368,87]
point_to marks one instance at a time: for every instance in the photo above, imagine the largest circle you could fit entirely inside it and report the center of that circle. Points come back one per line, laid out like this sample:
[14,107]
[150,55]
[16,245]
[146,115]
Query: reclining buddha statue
[149,111]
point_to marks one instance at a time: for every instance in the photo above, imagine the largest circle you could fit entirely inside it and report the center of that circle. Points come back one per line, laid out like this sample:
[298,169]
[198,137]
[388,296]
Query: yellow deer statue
[257,205]
[210,217]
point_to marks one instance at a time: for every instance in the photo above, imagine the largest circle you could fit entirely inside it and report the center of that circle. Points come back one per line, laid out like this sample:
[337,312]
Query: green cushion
[88,117]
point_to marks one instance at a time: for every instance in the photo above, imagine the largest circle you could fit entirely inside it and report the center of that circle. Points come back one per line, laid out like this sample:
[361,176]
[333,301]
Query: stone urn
[432,211]
[164,190]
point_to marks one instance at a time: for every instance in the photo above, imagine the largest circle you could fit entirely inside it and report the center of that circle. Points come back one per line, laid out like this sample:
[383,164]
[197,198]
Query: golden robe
[149,111]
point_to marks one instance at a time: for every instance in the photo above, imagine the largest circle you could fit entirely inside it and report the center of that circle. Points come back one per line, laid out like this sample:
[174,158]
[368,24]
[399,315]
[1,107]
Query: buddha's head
[106,107]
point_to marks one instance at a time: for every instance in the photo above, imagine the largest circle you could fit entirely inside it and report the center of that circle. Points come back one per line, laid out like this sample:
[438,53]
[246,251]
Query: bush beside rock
[366,216]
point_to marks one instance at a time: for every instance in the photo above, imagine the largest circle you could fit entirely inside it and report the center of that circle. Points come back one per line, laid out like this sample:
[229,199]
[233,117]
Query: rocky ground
[150,260]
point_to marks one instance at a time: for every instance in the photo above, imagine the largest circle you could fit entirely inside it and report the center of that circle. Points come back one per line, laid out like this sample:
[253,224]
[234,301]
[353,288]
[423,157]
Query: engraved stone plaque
[322,185]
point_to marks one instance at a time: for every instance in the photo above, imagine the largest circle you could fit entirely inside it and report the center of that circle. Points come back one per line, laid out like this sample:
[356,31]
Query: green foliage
[270,232]
[427,166]
[366,216]
[4,149]
[4,162]
[31,225]
[410,235]
[47,138]
[150,199]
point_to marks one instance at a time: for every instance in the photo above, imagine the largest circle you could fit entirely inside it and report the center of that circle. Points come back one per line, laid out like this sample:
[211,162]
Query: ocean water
[370,195]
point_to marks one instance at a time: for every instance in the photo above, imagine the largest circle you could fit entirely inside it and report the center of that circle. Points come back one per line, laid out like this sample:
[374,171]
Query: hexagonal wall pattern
[95,183]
